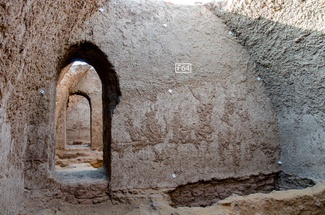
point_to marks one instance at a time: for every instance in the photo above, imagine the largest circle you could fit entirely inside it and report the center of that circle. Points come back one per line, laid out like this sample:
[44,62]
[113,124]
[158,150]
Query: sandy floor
[80,173]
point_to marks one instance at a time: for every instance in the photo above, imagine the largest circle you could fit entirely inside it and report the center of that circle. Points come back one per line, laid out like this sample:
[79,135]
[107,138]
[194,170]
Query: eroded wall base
[206,193]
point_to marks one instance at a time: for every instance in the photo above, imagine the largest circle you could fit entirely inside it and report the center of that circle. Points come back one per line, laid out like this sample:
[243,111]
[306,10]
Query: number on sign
[183,67]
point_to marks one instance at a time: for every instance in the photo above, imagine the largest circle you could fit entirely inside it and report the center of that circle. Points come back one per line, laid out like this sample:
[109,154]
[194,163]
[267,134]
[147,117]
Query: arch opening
[78,128]
[87,86]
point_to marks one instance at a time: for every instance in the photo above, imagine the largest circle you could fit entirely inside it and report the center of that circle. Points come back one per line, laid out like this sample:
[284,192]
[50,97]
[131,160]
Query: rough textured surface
[84,192]
[310,201]
[78,121]
[206,193]
[286,39]
[288,182]
[30,48]
[84,81]
[217,122]
[76,155]
[91,86]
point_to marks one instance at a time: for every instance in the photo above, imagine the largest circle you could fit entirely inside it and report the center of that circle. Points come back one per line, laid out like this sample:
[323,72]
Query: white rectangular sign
[183,67]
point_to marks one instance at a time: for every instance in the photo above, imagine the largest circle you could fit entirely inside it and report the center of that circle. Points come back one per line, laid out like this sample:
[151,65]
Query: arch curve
[90,53]
[81,93]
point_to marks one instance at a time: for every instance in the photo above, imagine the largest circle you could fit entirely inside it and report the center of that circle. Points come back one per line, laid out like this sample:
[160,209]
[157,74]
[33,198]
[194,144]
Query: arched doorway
[92,55]
[78,123]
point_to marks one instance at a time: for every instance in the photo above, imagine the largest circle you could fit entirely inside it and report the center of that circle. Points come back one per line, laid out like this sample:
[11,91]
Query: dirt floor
[292,202]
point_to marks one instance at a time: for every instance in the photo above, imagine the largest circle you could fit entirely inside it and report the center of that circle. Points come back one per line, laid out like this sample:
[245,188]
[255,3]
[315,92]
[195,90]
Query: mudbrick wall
[286,39]
[33,35]
[205,193]
[68,80]
[91,86]
[78,120]
[171,129]
[79,80]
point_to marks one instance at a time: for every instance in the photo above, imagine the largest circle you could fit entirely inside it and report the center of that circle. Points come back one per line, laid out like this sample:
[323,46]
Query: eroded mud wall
[33,34]
[172,129]
[168,129]
[78,120]
[286,39]
[82,80]
[91,86]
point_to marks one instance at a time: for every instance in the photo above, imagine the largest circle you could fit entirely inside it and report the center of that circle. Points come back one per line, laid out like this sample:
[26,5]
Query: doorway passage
[79,126]
[87,93]
[78,123]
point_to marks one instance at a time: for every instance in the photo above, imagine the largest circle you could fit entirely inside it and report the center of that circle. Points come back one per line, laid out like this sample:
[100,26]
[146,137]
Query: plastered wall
[286,40]
[215,122]
[82,80]
[78,122]
[33,36]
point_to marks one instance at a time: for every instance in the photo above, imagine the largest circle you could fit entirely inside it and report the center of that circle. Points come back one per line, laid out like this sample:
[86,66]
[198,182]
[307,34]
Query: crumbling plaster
[78,121]
[216,122]
[79,79]
[33,36]
[286,39]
